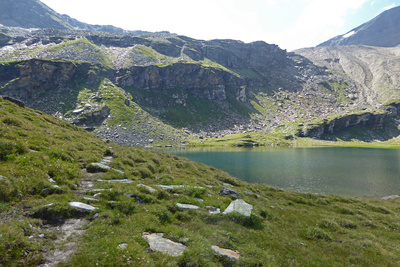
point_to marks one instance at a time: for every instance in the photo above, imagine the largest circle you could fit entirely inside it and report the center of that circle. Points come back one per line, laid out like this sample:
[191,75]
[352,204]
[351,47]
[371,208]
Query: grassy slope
[286,228]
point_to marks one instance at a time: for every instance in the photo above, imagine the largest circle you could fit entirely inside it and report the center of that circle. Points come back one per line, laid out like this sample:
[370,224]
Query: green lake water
[358,172]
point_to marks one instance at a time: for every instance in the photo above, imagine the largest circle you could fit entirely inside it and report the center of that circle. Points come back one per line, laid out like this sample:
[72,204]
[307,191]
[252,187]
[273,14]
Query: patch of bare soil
[65,246]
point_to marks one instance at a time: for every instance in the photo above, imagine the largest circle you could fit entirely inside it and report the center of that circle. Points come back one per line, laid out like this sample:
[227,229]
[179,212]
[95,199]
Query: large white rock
[187,206]
[150,189]
[82,206]
[239,206]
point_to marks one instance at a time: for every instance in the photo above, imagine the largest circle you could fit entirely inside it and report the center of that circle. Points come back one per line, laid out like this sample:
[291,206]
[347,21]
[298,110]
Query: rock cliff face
[203,83]
[374,121]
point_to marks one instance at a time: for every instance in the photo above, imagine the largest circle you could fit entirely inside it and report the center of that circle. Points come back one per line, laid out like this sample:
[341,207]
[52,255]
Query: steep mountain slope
[375,70]
[382,31]
[35,14]
[221,86]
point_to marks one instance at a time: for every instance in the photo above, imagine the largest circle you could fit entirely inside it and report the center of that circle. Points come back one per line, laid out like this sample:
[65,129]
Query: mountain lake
[355,172]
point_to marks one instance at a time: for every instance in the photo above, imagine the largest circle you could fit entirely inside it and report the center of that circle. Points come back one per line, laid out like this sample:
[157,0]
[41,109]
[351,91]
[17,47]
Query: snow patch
[347,35]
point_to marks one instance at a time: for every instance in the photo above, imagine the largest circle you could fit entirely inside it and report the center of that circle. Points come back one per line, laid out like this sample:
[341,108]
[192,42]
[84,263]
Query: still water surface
[342,171]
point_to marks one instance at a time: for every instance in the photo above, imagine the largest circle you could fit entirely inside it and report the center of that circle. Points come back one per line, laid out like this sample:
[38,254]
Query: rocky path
[70,231]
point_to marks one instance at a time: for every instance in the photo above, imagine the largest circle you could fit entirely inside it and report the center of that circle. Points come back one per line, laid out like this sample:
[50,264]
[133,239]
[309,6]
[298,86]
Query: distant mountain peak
[35,14]
[381,31]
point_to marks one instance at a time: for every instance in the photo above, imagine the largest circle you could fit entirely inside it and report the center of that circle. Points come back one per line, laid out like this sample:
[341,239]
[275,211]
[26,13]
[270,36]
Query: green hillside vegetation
[285,228]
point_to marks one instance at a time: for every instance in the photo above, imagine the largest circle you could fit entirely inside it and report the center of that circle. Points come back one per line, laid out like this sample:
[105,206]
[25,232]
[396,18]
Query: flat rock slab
[239,206]
[100,167]
[390,197]
[172,187]
[82,206]
[229,192]
[159,244]
[124,181]
[226,253]
[150,189]
[213,210]
[187,206]
[90,199]
[3,177]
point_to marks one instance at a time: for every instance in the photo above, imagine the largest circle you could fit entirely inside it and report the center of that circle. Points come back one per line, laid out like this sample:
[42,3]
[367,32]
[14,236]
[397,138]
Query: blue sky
[291,24]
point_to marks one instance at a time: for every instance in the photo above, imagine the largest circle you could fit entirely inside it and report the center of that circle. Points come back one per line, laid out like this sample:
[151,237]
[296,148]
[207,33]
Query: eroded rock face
[203,83]
[373,120]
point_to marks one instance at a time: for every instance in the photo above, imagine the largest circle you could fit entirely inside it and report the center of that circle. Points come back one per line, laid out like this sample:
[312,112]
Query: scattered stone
[209,186]
[159,244]
[390,197]
[253,194]
[90,199]
[187,206]
[213,210]
[199,199]
[100,167]
[82,206]
[3,177]
[101,190]
[226,253]
[122,246]
[41,236]
[170,187]
[138,199]
[150,189]
[239,206]
[124,181]
[51,180]
[45,192]
[229,192]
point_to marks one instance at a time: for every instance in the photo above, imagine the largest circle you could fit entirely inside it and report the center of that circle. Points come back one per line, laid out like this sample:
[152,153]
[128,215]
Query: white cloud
[319,21]
[389,7]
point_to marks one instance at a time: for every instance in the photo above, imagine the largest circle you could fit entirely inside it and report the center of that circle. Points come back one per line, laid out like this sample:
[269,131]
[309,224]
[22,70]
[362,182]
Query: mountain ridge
[381,31]
[36,14]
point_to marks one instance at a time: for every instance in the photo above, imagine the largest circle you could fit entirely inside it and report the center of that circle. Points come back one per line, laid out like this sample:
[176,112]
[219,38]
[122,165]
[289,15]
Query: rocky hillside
[68,198]
[207,87]
[375,70]
[382,31]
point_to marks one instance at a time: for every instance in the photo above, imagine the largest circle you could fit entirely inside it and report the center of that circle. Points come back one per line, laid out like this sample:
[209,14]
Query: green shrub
[9,149]
[347,224]
[317,233]
[125,207]
[328,224]
[144,173]
[12,122]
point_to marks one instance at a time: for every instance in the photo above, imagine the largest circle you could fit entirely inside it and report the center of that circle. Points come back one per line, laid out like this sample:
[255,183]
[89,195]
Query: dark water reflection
[342,171]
